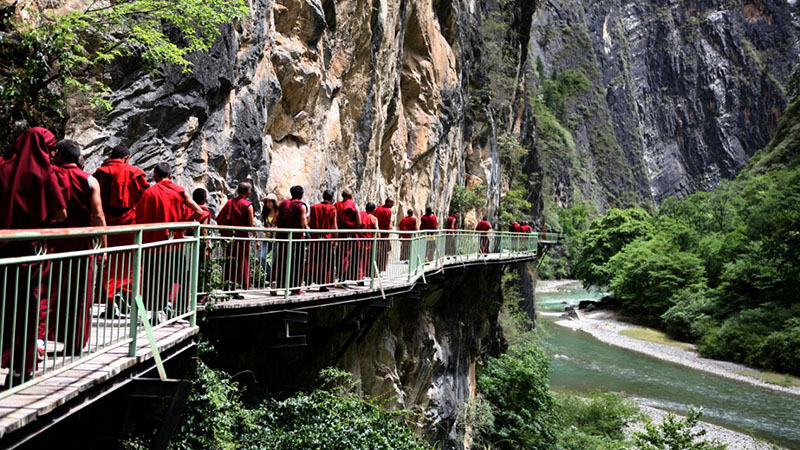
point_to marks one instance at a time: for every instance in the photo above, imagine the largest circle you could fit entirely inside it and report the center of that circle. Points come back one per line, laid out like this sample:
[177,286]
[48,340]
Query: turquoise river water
[582,363]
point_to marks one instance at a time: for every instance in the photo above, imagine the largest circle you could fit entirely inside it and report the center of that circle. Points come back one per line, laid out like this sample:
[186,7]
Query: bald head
[347,193]
[162,171]
[244,189]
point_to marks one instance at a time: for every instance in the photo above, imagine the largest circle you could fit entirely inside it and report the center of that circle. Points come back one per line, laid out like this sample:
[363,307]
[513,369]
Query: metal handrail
[97,299]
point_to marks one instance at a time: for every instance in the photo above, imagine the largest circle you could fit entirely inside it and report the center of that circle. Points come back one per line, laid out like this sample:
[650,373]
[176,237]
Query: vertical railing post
[373,261]
[135,292]
[288,275]
[194,275]
[409,255]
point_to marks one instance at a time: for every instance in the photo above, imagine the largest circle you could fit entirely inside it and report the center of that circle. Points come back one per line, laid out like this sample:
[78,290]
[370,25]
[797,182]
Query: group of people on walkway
[43,185]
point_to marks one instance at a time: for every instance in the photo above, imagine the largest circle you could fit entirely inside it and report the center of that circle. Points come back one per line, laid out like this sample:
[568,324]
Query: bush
[675,433]
[601,414]
[781,349]
[333,417]
[739,338]
[574,439]
[517,387]
[690,316]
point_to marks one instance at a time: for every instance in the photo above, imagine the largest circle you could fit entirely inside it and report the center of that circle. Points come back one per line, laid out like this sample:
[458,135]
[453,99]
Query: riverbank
[605,327]
[733,439]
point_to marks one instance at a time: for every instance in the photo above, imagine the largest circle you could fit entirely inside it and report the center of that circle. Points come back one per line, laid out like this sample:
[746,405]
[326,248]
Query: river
[582,363]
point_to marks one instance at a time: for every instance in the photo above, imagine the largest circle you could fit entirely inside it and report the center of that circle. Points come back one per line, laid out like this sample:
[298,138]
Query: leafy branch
[61,55]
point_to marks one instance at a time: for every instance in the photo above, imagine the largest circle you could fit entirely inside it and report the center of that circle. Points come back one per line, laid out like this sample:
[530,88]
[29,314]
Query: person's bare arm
[98,219]
[60,215]
[335,221]
[252,213]
[193,206]
[303,217]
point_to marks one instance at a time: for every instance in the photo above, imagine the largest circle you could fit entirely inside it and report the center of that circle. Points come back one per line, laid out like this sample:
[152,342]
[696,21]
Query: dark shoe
[324,289]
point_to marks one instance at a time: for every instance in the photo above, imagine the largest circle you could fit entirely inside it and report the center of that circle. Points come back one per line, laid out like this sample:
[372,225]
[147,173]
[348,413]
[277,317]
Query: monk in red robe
[200,196]
[347,218]
[320,250]
[164,202]
[384,215]
[66,315]
[291,215]
[237,212]
[484,226]
[429,222]
[30,197]
[451,226]
[121,187]
[407,223]
[364,247]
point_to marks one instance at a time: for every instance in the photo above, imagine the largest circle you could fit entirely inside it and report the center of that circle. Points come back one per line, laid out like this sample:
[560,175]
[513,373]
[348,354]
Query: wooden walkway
[22,408]
[351,292]
[46,396]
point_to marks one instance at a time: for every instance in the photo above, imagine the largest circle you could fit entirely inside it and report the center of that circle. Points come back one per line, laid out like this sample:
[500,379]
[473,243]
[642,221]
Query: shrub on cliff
[523,407]
[332,417]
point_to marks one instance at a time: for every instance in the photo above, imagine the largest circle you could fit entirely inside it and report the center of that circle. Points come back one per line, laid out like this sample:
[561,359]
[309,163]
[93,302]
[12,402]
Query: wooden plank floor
[22,408]
[389,282]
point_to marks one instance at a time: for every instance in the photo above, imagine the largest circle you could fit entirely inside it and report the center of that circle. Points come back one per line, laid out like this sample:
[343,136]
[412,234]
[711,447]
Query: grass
[771,377]
[651,335]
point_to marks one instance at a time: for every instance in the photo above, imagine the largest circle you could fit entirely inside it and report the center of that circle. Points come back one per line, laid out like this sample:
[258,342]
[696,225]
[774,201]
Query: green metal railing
[64,299]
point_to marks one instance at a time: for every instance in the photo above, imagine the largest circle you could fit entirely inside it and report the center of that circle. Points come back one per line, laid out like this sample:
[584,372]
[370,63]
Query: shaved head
[347,193]
[244,188]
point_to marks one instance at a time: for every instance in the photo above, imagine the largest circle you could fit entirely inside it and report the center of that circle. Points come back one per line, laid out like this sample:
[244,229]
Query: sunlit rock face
[369,95]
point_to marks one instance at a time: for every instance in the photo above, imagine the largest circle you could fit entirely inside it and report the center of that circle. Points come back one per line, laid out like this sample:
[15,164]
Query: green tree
[516,386]
[605,237]
[60,55]
[647,273]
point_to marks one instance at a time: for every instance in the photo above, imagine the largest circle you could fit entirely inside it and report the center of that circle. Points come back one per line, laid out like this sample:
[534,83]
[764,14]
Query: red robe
[290,215]
[205,218]
[364,247]
[236,265]
[408,223]
[29,195]
[347,218]
[320,250]
[66,317]
[451,242]
[162,203]
[485,227]
[428,222]
[323,217]
[384,216]
[121,187]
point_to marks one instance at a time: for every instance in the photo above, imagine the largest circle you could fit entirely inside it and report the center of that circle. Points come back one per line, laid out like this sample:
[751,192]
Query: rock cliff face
[370,95]
[420,353]
[680,93]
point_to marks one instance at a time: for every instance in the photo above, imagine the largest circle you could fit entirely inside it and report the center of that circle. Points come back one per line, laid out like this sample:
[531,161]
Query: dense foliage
[675,433]
[523,408]
[332,417]
[62,54]
[720,268]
